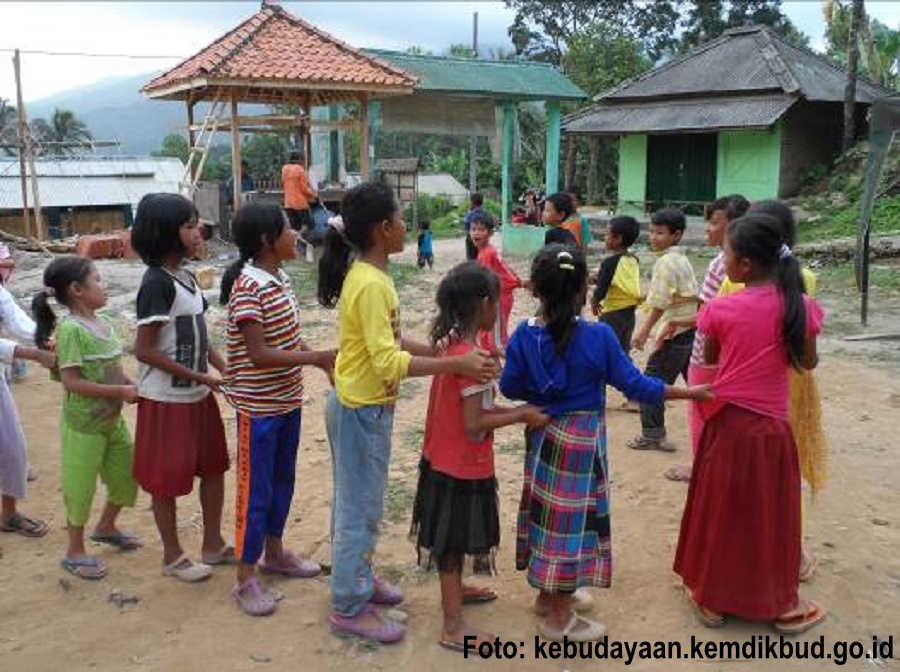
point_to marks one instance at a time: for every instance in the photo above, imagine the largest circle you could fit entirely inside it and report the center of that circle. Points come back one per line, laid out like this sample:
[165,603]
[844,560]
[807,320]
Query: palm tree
[62,134]
[856,18]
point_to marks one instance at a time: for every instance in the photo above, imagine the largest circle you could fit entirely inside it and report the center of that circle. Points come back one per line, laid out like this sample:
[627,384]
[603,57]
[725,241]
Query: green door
[681,170]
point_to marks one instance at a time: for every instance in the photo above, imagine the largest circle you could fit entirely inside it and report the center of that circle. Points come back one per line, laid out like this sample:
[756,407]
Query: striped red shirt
[715,275]
[260,297]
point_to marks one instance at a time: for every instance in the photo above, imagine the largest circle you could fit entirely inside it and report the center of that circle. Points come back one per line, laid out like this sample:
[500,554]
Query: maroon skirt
[739,547]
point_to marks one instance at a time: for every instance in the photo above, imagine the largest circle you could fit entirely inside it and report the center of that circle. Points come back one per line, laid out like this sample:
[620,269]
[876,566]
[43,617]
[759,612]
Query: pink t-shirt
[753,367]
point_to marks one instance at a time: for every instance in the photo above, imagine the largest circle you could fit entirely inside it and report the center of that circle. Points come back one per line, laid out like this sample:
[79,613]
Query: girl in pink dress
[739,548]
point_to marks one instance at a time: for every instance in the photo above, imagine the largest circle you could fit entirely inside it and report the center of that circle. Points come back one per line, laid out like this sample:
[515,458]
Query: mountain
[114,109]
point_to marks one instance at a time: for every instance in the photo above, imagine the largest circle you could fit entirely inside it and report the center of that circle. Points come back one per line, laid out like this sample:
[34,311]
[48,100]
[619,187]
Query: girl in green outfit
[94,437]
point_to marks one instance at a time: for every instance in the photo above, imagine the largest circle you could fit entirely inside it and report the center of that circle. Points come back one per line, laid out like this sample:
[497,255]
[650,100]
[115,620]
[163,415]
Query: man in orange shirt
[297,192]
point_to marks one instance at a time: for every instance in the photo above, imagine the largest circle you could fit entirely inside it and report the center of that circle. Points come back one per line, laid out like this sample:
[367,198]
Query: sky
[181,29]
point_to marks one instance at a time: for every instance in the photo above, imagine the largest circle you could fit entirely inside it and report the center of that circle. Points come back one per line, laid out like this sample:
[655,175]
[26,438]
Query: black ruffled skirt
[455,520]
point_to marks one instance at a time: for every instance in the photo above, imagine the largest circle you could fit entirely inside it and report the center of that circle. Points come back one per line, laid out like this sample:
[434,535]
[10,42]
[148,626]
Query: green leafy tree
[601,56]
[708,19]
[62,134]
[265,154]
[9,121]
[174,145]
[879,45]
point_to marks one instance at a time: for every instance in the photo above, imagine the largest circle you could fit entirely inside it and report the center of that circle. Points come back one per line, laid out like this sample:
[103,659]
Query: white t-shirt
[178,304]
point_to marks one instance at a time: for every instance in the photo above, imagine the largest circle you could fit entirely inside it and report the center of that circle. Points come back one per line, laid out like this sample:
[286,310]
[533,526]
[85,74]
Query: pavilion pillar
[192,136]
[374,117]
[506,176]
[364,166]
[551,152]
[235,152]
[332,160]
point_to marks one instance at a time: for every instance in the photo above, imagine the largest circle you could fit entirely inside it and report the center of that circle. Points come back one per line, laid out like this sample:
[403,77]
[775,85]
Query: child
[672,297]
[482,230]
[265,385]
[562,364]
[455,513]
[15,324]
[425,248]
[372,360]
[476,209]
[558,208]
[618,289]
[719,214]
[739,547]
[93,435]
[179,433]
[17,370]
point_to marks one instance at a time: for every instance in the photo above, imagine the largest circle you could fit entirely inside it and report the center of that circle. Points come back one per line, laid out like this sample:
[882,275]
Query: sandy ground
[50,620]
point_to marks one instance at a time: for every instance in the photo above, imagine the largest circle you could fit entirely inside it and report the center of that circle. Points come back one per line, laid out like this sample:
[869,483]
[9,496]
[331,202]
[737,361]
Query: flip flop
[812,615]
[478,595]
[707,617]
[593,631]
[459,647]
[76,567]
[224,556]
[192,572]
[125,541]
[809,571]
[291,565]
[27,527]
[679,474]
[253,599]
[643,443]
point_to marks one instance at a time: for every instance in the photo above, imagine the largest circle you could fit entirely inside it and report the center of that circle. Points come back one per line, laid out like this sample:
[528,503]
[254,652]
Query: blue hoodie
[535,373]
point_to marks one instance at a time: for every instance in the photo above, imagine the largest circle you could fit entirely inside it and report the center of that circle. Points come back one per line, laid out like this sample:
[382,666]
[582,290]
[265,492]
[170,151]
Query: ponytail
[228,277]
[559,278]
[44,318]
[333,267]
[790,282]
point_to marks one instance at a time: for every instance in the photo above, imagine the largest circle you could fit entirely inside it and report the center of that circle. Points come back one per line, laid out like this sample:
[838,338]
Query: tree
[708,19]
[174,145]
[856,18]
[461,50]
[542,29]
[62,135]
[601,56]
[9,122]
[879,45]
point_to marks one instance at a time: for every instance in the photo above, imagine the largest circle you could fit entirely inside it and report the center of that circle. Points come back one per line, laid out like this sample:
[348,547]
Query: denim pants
[360,440]
[667,363]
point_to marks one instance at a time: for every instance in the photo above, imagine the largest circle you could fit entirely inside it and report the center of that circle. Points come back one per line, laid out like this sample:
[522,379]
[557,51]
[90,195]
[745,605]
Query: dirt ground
[50,620]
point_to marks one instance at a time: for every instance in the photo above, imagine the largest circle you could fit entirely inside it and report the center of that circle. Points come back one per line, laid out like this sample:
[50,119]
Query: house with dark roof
[747,113]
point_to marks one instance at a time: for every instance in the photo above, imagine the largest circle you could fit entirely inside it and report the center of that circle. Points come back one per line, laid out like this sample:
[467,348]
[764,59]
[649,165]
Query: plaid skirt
[563,532]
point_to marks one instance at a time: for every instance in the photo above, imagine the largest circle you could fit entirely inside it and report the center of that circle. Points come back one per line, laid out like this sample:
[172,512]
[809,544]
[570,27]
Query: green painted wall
[632,168]
[749,163]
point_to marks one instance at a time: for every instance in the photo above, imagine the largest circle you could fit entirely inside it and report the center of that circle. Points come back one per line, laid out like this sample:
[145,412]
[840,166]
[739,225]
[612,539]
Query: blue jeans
[360,440]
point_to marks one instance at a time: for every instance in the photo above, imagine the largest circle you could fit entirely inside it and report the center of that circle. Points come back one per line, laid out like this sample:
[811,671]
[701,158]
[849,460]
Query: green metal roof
[508,80]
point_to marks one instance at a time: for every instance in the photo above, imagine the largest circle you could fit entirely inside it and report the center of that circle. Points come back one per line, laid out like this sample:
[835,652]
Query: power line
[80,53]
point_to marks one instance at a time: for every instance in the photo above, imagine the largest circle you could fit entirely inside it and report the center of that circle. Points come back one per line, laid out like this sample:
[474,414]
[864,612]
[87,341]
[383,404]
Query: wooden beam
[364,168]
[23,135]
[235,155]
[192,138]
[307,134]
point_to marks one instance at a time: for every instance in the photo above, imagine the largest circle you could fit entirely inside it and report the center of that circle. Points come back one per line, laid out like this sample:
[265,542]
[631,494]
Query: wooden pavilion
[275,58]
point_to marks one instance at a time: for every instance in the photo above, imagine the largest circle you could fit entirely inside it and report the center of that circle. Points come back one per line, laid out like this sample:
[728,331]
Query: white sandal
[193,572]
[581,601]
[592,633]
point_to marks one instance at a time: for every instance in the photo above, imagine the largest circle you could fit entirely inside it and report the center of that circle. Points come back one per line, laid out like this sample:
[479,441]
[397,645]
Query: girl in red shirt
[455,513]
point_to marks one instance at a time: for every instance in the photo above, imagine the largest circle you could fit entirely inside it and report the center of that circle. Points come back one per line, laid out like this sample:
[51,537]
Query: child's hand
[666,334]
[479,365]
[700,393]
[325,359]
[534,416]
[129,394]
[639,339]
[210,381]
[46,358]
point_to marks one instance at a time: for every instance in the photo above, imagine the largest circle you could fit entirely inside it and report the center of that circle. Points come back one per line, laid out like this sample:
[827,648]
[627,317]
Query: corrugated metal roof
[78,183]
[513,80]
[744,60]
[698,114]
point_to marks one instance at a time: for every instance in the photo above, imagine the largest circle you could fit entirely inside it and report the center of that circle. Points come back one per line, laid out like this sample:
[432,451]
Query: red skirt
[174,443]
[739,547]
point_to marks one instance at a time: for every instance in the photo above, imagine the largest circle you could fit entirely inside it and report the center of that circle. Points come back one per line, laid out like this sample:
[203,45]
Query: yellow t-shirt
[809,283]
[625,288]
[370,363]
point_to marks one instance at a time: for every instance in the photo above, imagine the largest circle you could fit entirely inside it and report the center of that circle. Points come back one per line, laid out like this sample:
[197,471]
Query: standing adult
[297,192]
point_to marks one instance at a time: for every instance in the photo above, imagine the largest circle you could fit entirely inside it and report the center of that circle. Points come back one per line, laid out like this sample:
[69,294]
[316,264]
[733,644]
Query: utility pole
[23,132]
[26,154]
[473,140]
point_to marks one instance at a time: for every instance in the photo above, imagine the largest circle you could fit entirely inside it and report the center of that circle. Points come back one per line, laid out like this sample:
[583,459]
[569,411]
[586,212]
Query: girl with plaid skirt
[562,363]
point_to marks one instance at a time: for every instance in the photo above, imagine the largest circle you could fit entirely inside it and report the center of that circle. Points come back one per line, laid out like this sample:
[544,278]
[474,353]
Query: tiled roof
[273,48]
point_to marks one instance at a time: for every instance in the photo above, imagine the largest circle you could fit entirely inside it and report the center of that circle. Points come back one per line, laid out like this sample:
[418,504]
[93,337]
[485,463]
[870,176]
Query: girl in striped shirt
[265,385]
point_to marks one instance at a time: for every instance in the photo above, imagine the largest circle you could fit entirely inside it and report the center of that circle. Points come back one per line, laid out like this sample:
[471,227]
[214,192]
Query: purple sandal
[386,593]
[291,565]
[385,632]
[254,599]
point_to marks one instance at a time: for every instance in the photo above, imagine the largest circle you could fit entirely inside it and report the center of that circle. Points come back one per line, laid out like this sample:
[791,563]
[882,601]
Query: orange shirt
[573,225]
[297,190]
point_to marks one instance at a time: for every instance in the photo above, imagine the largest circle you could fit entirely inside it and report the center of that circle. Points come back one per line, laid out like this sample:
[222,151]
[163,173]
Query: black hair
[477,199]
[458,298]
[295,156]
[363,208]
[782,213]
[254,227]
[559,278]
[671,218]
[563,203]
[424,225]
[733,206]
[58,277]
[485,220]
[627,228]
[758,237]
[154,234]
